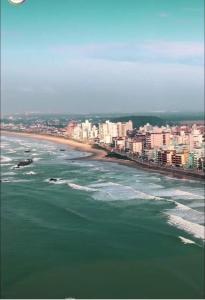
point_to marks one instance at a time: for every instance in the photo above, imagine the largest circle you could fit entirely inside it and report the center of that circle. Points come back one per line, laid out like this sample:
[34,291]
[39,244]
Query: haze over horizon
[102,56]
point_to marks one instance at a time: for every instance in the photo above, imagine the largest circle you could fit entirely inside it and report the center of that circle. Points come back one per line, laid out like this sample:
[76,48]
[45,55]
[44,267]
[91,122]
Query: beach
[96,154]
[85,147]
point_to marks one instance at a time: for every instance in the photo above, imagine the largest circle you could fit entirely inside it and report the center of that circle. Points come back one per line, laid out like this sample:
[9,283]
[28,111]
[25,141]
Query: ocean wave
[5,159]
[182,206]
[4,145]
[30,173]
[196,205]
[104,184]
[13,180]
[115,191]
[180,179]
[187,213]
[156,186]
[100,169]
[186,241]
[8,173]
[81,163]
[81,187]
[154,178]
[178,194]
[37,158]
[11,151]
[195,229]
[188,194]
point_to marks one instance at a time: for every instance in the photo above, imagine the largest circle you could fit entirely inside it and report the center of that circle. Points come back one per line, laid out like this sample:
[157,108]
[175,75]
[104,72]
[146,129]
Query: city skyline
[118,56]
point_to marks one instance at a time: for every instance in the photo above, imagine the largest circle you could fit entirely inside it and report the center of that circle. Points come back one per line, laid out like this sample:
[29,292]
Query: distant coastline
[102,154]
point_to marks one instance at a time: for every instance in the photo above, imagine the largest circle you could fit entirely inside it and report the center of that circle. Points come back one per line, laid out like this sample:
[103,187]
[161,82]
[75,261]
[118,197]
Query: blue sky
[89,56]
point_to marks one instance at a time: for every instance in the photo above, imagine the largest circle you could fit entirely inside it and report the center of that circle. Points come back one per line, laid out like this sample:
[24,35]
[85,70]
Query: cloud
[175,49]
[87,85]
[189,53]
[154,75]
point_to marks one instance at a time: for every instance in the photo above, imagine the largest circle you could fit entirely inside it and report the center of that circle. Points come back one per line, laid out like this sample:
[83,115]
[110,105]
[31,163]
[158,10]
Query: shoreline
[97,154]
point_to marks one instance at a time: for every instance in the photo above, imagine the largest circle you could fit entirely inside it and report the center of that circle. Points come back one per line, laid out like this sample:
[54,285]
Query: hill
[141,120]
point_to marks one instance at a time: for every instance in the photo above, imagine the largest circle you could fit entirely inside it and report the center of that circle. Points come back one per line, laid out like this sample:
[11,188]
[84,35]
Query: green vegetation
[141,120]
[116,155]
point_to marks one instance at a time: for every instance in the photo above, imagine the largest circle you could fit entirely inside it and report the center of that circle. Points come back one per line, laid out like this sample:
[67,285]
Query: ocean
[100,230]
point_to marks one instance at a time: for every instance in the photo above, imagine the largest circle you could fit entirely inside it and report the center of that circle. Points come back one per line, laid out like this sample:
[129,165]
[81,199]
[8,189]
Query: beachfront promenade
[153,165]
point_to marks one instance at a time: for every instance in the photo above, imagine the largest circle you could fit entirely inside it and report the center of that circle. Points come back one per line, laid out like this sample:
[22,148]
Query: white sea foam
[115,191]
[177,194]
[81,187]
[5,180]
[4,145]
[11,151]
[182,206]
[5,159]
[30,173]
[81,164]
[180,179]
[196,204]
[37,158]
[197,230]
[186,241]
[50,152]
[188,194]
[9,174]
[154,178]
[156,186]
[187,213]
[13,180]
[104,184]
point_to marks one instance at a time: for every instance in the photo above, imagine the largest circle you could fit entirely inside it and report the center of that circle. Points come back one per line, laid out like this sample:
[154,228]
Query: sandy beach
[95,153]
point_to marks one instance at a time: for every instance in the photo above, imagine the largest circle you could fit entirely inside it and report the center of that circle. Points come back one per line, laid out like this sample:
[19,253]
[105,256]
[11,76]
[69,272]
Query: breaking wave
[115,191]
[9,174]
[177,194]
[195,229]
[186,241]
[5,159]
[187,213]
[81,187]
[30,173]
[13,180]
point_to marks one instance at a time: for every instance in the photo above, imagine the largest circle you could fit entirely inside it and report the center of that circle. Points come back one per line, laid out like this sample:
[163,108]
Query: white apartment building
[122,128]
[196,139]
[106,132]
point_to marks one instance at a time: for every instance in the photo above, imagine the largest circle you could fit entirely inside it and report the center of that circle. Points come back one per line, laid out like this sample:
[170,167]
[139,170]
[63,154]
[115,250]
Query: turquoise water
[102,230]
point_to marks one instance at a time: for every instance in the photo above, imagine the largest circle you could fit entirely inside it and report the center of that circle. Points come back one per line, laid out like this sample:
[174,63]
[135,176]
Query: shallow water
[102,230]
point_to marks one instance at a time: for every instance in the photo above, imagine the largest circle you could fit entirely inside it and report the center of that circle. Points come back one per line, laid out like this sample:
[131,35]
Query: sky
[94,56]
